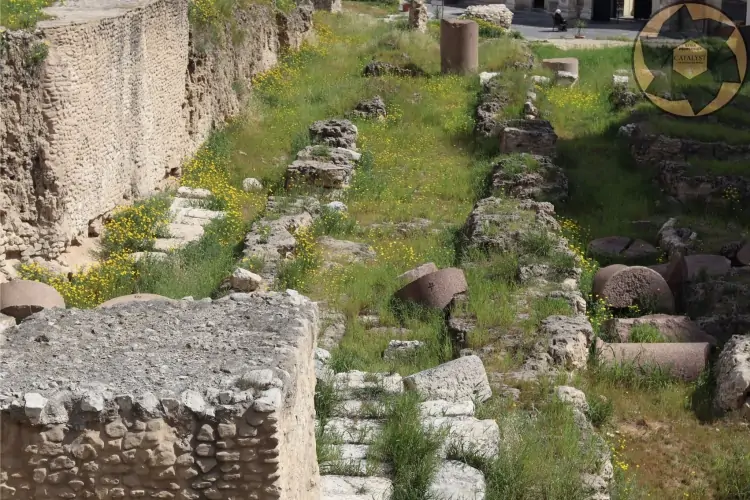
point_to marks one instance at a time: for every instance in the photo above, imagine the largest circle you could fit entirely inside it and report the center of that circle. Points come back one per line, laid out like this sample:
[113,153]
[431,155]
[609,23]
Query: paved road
[535,25]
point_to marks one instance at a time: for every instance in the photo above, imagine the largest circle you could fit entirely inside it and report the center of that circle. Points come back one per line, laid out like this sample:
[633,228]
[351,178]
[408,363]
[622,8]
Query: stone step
[457,481]
[186,232]
[193,216]
[351,431]
[442,408]
[355,488]
[352,461]
[180,235]
[467,434]
[362,385]
[360,409]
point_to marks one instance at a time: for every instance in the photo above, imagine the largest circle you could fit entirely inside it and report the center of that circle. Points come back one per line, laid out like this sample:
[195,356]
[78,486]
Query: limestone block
[466,434]
[733,374]
[355,488]
[463,379]
[458,481]
[244,280]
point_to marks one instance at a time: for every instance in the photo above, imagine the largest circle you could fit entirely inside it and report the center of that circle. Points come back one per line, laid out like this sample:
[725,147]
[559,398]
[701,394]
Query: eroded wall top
[65,365]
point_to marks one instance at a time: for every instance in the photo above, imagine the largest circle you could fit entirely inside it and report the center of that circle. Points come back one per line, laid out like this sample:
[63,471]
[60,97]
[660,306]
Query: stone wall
[217,404]
[123,97]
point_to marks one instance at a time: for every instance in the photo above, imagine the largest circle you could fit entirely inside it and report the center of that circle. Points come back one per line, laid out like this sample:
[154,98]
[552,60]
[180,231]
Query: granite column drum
[459,46]
[684,360]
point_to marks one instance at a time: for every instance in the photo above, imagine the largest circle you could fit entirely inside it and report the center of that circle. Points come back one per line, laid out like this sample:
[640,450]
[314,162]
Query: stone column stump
[459,46]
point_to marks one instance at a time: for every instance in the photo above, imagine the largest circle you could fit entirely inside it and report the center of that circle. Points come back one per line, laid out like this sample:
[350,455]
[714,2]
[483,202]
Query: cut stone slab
[192,216]
[271,241]
[21,298]
[463,379]
[370,108]
[466,434]
[355,488]
[733,374]
[566,78]
[353,460]
[569,64]
[486,76]
[676,241]
[500,15]
[530,177]
[623,250]
[442,408]
[336,206]
[354,431]
[322,371]
[353,408]
[354,384]
[186,232]
[673,328]
[180,235]
[572,396]
[193,193]
[457,481]
[621,286]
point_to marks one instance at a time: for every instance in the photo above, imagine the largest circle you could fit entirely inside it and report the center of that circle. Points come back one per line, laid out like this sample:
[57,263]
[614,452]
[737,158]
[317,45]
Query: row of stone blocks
[178,399]
[450,391]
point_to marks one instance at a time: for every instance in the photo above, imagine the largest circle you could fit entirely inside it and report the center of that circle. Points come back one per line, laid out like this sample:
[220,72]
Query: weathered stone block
[528,136]
[123,441]
[459,380]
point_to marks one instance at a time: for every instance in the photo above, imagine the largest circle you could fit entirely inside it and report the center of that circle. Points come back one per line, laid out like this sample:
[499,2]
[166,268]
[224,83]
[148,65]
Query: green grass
[541,456]
[732,467]
[423,162]
[409,448]
[646,333]
[195,270]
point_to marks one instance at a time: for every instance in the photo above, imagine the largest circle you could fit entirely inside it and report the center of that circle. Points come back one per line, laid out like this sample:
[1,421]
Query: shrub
[105,280]
[22,14]
[600,410]
[488,29]
[411,449]
[135,228]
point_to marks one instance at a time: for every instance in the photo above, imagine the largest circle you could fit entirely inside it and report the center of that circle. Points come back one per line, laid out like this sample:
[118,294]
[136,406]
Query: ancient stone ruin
[196,399]
[180,90]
